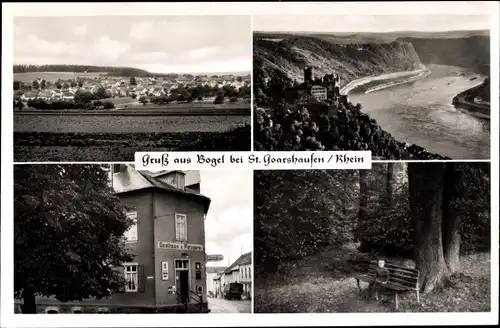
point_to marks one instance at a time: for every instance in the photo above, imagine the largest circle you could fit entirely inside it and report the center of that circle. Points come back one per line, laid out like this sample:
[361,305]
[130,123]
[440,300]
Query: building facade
[240,271]
[212,282]
[167,242]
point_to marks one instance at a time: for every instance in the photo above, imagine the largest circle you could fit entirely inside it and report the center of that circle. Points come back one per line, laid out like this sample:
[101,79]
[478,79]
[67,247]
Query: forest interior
[434,217]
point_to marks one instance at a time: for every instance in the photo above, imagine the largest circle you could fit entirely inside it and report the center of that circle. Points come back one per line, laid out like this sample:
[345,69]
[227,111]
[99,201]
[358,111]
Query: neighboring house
[29,96]
[45,95]
[167,242]
[319,92]
[240,271]
[68,96]
[212,284]
[57,94]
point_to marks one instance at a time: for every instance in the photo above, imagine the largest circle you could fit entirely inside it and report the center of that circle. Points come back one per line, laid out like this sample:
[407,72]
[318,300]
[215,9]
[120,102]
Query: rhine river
[421,113]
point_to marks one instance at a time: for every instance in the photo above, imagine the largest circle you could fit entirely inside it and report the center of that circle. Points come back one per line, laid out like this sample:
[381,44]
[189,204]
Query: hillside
[110,70]
[351,61]
[374,37]
[468,52]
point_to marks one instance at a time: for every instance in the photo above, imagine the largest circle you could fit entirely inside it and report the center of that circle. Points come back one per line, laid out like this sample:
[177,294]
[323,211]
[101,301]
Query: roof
[132,180]
[242,260]
[213,269]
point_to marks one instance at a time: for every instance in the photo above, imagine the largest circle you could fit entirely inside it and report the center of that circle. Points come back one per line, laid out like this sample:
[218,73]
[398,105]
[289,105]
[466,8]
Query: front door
[182,279]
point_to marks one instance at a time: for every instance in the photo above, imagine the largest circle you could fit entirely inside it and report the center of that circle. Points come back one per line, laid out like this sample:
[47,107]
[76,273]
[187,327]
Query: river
[421,113]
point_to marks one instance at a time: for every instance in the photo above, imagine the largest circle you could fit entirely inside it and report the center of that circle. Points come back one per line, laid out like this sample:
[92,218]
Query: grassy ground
[324,283]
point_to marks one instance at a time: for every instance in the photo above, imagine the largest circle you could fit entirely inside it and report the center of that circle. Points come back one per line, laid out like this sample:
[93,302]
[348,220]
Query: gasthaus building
[168,243]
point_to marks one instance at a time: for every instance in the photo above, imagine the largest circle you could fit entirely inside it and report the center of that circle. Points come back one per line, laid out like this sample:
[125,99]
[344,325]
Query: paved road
[218,305]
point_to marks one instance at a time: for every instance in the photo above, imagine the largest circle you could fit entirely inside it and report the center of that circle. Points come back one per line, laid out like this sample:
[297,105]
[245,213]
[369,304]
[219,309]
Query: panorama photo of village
[89,90]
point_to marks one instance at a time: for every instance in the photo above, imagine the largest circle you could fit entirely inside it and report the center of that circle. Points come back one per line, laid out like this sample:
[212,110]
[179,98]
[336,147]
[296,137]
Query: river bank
[384,77]
[421,113]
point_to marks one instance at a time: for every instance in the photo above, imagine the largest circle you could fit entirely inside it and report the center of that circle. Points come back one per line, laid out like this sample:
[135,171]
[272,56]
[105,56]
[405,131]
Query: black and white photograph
[401,237]
[99,88]
[405,87]
[110,239]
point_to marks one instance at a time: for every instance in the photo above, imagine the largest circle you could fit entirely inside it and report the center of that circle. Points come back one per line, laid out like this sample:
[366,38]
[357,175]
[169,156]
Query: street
[219,305]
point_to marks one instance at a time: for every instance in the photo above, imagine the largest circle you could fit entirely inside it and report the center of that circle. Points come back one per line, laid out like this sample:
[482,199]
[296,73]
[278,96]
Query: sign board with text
[214,258]
[180,246]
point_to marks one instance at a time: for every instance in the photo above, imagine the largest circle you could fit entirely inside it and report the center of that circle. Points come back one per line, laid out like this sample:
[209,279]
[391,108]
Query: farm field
[48,146]
[121,124]
[53,76]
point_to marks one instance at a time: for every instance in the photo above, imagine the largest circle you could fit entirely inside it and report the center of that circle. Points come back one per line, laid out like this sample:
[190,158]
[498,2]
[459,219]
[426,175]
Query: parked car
[233,291]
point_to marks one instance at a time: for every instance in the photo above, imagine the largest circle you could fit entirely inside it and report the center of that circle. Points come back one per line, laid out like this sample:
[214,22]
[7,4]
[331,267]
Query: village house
[67,95]
[167,242]
[30,95]
[240,271]
[213,273]
[45,95]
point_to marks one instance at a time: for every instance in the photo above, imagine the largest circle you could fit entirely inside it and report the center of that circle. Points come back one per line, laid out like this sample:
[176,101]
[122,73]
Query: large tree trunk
[363,195]
[451,217]
[389,180]
[29,302]
[426,184]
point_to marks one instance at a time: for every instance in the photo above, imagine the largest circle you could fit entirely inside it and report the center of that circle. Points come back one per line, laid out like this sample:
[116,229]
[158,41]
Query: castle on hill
[326,88]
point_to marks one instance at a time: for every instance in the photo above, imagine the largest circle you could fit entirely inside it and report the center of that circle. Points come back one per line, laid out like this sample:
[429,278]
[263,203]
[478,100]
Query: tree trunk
[363,195]
[29,302]
[426,184]
[451,217]
[389,180]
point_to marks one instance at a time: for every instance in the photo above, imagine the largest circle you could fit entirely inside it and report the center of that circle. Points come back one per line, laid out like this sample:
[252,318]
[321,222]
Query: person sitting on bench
[381,278]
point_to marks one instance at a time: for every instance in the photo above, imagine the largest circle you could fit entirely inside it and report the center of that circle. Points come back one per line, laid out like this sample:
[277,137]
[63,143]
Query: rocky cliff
[293,52]
[471,52]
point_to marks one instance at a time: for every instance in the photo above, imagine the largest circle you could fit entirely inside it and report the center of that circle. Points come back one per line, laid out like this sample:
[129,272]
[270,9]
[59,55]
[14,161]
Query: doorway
[182,279]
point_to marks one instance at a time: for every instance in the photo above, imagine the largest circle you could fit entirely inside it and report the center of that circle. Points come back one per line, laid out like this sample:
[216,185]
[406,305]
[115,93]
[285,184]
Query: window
[180,227]
[131,275]
[249,273]
[51,310]
[131,233]
[77,309]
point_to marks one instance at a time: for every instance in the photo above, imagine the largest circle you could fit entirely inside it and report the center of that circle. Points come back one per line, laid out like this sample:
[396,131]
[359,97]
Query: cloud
[80,30]
[149,57]
[180,44]
[102,50]
[142,30]
[201,53]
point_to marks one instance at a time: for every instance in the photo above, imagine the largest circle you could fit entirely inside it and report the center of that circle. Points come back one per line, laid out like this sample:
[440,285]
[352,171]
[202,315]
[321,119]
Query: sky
[229,221]
[166,44]
[369,23]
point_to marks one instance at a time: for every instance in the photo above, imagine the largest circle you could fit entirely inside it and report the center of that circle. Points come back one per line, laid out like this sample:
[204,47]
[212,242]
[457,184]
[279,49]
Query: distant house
[57,94]
[241,271]
[29,96]
[45,95]
[68,96]
[158,91]
[319,92]
[212,283]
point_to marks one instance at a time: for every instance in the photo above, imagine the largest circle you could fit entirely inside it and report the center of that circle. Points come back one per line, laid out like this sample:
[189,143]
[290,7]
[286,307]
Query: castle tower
[308,74]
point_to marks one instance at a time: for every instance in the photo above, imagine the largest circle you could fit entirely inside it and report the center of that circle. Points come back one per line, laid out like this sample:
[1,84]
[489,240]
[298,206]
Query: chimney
[175,178]
[117,168]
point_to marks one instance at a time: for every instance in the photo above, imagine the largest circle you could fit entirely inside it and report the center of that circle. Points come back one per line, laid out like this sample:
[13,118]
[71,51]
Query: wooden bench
[400,278]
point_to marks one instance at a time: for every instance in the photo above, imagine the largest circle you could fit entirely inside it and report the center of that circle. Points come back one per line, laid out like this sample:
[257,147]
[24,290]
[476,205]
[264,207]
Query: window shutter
[121,271]
[140,278]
